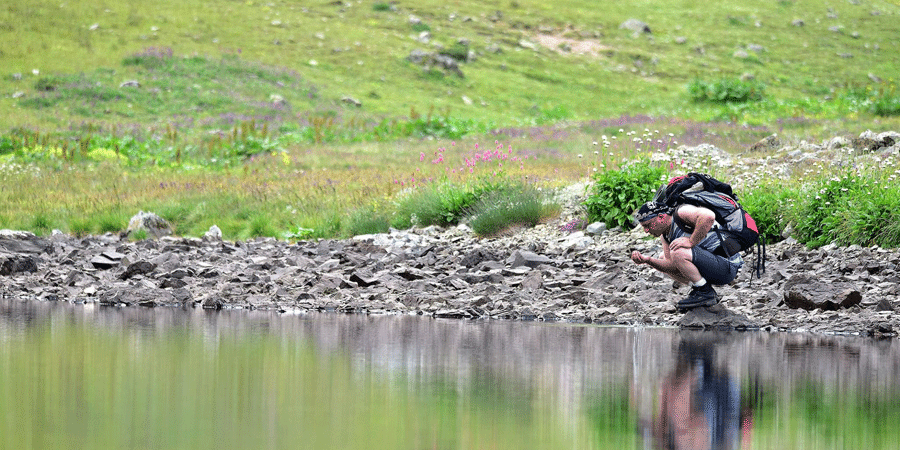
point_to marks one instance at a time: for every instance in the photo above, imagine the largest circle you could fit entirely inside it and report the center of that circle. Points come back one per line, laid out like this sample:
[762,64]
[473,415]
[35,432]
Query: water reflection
[699,405]
[80,376]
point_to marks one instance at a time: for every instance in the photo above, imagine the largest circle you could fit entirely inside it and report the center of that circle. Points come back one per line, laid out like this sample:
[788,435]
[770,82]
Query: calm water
[87,377]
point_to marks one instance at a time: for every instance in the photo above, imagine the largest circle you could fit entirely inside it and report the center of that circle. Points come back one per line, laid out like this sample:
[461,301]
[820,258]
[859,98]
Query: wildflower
[421,156]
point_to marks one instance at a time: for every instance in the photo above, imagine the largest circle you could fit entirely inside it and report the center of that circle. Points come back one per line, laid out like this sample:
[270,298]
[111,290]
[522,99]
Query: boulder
[803,292]
[13,264]
[715,317]
[155,226]
[14,241]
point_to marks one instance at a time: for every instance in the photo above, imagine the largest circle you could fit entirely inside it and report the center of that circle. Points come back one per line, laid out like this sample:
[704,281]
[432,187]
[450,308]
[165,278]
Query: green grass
[274,118]
[200,62]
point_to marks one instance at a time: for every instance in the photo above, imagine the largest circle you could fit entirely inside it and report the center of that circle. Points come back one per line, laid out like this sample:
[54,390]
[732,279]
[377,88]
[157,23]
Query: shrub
[6,145]
[821,209]
[516,205]
[881,100]
[261,226]
[368,220]
[457,51]
[41,222]
[615,194]
[81,227]
[726,91]
[110,223]
[873,220]
[769,205]
[436,204]
[886,104]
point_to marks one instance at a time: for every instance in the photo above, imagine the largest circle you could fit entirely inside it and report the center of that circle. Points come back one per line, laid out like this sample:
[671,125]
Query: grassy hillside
[209,64]
[298,118]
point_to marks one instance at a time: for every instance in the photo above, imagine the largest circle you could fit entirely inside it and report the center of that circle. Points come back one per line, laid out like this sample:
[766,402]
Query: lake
[91,377]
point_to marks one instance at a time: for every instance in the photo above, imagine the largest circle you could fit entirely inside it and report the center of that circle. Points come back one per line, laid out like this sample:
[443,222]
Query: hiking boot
[700,296]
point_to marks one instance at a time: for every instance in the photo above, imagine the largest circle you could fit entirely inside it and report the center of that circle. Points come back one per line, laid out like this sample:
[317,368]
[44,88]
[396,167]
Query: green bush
[873,220]
[818,211]
[516,205]
[726,91]
[41,222]
[368,220]
[111,223]
[881,100]
[615,194]
[81,226]
[769,205]
[886,104]
[457,51]
[436,204]
[261,226]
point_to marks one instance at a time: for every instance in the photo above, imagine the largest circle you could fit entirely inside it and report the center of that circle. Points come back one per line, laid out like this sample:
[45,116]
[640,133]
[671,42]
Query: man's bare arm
[701,219]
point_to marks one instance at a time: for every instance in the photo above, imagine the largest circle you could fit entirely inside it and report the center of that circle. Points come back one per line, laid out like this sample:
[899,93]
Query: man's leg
[683,259]
[702,269]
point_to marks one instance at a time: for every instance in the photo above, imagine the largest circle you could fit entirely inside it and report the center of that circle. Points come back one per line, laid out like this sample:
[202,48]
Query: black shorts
[716,269]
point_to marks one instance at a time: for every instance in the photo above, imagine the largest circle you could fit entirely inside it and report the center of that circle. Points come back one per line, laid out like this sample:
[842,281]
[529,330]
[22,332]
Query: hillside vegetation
[271,116]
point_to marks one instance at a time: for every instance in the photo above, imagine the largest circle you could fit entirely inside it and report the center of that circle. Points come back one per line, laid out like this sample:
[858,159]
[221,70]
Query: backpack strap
[760,256]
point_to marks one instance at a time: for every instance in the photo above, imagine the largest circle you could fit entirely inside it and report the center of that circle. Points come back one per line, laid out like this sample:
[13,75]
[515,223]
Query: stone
[715,317]
[213,234]
[13,264]
[14,241]
[155,226]
[596,229]
[770,142]
[635,25]
[541,273]
[104,262]
[806,293]
[521,258]
[137,268]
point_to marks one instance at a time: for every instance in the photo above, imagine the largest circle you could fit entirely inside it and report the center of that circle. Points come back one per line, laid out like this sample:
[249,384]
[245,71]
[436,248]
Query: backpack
[700,189]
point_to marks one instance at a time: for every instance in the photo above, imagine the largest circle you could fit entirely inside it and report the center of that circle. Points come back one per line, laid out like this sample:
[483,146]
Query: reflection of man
[699,406]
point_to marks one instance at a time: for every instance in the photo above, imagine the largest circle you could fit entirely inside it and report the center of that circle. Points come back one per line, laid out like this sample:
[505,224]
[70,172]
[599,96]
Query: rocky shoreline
[545,273]
[542,273]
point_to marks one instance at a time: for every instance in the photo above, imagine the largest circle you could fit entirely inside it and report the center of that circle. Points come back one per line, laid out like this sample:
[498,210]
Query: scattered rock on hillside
[767,143]
[635,25]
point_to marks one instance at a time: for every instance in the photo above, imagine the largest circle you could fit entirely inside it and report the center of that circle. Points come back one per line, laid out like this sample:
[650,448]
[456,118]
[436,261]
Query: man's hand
[682,242]
[637,257]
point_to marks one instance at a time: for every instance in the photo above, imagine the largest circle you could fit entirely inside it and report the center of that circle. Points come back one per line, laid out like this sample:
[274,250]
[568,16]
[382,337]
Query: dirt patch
[564,45]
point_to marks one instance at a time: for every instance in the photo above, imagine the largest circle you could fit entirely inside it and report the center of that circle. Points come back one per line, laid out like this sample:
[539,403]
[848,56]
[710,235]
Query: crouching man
[694,251]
